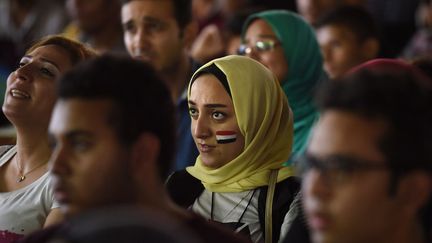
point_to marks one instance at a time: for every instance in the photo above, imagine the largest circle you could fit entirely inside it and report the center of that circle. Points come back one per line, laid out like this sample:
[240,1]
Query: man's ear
[190,32]
[414,191]
[370,48]
[145,154]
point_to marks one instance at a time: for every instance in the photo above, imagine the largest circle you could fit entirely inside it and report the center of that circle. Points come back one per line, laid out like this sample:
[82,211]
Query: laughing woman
[242,126]
[26,197]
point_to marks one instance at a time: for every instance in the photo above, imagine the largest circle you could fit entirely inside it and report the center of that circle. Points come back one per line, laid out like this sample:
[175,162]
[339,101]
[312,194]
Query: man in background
[160,32]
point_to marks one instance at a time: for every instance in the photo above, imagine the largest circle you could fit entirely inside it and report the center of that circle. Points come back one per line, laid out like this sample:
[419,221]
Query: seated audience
[221,31]
[284,43]
[347,37]
[367,172]
[242,126]
[312,10]
[420,44]
[96,23]
[23,22]
[26,193]
[113,142]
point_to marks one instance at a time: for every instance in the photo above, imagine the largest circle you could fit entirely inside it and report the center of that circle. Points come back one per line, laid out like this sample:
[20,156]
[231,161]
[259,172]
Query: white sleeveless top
[24,210]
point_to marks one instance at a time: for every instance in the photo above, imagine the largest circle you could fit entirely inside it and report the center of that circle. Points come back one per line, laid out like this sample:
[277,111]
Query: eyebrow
[268,36]
[210,105]
[274,37]
[70,135]
[78,133]
[152,19]
[45,60]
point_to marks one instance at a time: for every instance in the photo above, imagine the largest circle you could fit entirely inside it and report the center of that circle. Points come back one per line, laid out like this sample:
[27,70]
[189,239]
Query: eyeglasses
[337,169]
[259,46]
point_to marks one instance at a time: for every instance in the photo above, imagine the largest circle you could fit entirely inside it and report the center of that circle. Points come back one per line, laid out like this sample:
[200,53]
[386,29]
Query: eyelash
[194,113]
[47,72]
[43,70]
[220,113]
[191,110]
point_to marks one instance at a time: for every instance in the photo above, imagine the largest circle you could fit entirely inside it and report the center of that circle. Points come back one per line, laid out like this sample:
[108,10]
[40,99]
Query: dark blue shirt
[187,151]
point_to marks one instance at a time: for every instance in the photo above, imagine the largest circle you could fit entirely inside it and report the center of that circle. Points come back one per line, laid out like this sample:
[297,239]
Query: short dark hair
[141,101]
[354,18]
[182,11]
[400,95]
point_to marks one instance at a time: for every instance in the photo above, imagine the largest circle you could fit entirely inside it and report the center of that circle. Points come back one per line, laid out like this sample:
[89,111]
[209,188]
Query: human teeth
[19,94]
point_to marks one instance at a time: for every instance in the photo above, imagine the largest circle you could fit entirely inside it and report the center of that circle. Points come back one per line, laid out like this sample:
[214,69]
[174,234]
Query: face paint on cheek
[226,137]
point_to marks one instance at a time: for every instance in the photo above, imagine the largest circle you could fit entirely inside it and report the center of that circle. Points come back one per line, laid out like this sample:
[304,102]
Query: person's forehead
[318,2]
[340,132]
[77,112]
[153,8]
[52,53]
[336,33]
[260,26]
[208,86]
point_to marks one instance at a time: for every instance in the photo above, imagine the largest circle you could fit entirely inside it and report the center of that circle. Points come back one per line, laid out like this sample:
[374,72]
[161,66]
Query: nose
[58,161]
[200,128]
[315,184]
[24,72]
[141,41]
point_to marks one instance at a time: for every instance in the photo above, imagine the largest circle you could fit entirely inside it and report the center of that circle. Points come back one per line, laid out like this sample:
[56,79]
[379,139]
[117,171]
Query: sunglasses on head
[259,46]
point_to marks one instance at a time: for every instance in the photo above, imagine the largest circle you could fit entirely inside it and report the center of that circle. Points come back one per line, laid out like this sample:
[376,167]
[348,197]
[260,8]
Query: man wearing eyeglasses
[367,172]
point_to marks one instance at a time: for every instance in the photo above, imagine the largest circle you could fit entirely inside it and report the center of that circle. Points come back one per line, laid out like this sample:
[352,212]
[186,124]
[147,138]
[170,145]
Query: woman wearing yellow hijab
[243,128]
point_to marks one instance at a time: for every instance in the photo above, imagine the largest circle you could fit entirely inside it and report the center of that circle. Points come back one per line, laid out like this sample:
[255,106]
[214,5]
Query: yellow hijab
[264,119]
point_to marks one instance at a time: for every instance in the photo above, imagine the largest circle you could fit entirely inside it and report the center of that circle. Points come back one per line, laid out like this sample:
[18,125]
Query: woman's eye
[47,72]
[218,115]
[21,64]
[193,112]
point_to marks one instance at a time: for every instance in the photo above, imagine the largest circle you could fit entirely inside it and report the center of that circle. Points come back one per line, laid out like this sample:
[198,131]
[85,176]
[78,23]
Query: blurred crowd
[216,121]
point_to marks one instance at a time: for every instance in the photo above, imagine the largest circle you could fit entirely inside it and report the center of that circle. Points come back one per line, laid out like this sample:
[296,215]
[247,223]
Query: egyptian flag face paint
[225,137]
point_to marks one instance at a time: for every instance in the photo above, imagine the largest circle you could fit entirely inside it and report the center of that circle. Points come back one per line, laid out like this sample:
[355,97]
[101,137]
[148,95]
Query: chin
[210,164]
[319,238]
[324,238]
